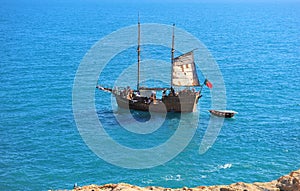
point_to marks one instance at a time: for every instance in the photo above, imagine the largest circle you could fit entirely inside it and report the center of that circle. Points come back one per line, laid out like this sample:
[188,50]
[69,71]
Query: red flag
[208,83]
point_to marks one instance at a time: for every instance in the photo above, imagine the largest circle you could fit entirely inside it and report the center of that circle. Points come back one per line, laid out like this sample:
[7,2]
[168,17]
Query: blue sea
[42,43]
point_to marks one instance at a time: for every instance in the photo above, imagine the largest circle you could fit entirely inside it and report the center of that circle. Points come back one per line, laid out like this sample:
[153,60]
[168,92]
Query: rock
[267,186]
[289,182]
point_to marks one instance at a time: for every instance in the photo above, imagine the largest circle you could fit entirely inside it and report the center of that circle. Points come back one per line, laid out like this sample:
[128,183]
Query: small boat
[223,113]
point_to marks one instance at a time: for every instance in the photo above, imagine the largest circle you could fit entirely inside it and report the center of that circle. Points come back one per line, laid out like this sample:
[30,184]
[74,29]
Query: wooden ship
[183,75]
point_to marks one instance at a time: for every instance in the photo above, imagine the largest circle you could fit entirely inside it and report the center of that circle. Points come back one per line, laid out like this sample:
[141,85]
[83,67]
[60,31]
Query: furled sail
[184,71]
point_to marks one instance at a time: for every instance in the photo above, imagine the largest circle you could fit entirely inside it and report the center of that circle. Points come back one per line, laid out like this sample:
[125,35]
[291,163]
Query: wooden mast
[139,53]
[172,54]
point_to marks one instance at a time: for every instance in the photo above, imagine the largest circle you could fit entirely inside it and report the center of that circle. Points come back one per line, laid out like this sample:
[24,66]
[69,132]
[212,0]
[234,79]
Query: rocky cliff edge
[290,182]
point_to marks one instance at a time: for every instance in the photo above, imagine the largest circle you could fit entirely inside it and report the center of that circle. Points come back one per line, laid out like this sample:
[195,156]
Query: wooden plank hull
[180,103]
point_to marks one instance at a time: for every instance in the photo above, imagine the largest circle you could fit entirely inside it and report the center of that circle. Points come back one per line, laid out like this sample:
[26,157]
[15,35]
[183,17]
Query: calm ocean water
[257,47]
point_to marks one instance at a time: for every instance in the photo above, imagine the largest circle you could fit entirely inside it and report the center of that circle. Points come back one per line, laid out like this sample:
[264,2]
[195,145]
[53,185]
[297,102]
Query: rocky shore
[290,182]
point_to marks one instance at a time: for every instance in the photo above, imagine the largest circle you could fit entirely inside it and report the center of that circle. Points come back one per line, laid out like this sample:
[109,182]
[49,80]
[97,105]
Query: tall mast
[139,53]
[172,54]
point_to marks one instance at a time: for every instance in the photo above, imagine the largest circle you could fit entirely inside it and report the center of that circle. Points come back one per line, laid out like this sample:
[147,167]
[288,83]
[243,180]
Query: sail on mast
[184,71]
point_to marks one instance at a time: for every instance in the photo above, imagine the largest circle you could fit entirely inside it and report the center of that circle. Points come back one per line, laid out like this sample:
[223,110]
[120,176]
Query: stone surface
[289,182]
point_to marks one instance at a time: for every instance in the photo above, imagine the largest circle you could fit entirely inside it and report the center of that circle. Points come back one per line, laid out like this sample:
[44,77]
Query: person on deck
[153,97]
[130,95]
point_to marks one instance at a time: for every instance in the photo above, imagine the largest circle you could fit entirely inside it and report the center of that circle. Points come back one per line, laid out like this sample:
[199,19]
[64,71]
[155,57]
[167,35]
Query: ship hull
[180,103]
[223,113]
